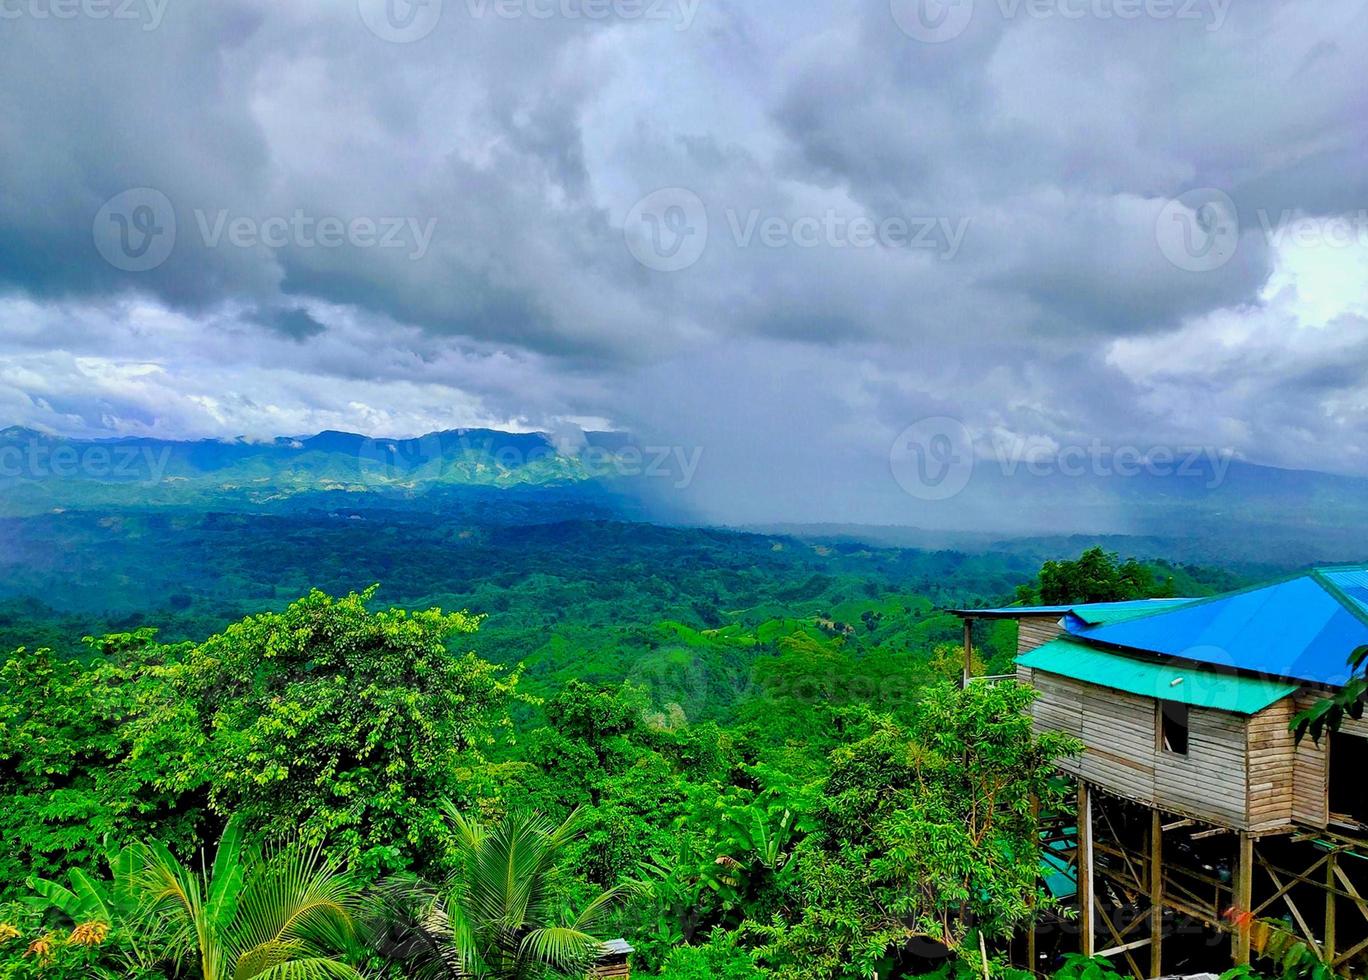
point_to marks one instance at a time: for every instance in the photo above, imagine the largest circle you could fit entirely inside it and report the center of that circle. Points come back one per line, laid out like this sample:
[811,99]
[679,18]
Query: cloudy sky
[784,232]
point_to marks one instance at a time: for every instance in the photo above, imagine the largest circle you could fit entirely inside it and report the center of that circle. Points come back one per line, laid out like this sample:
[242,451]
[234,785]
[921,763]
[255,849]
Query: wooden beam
[1330,867]
[1293,880]
[1115,950]
[1353,892]
[1244,899]
[1156,893]
[968,649]
[1085,870]
[1031,926]
[1203,835]
[1309,936]
[1122,947]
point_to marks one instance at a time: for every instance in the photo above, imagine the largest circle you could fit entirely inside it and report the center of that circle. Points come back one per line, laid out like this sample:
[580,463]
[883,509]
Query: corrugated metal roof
[1100,613]
[1155,677]
[1303,628]
[1092,612]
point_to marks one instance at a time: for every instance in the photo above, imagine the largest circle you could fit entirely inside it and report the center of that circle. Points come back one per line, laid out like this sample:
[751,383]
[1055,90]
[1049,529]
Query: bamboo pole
[1085,870]
[1156,894]
[1330,889]
[968,649]
[1244,899]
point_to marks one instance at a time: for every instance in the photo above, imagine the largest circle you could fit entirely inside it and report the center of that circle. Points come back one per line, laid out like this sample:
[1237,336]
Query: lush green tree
[70,775]
[721,958]
[1096,576]
[282,914]
[606,752]
[504,912]
[927,834]
[334,721]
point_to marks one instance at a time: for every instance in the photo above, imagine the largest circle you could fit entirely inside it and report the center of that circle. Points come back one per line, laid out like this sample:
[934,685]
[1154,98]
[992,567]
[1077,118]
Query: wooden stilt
[1031,925]
[968,649]
[1156,894]
[1329,945]
[1085,869]
[1244,899]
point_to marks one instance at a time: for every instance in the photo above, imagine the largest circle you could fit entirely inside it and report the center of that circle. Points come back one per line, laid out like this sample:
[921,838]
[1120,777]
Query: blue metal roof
[1303,628]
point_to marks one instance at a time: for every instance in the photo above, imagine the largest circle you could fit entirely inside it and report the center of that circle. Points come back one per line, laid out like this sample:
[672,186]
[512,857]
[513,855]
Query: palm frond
[603,903]
[560,948]
[316,968]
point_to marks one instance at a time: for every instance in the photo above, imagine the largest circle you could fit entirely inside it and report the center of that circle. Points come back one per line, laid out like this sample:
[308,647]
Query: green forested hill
[687,612]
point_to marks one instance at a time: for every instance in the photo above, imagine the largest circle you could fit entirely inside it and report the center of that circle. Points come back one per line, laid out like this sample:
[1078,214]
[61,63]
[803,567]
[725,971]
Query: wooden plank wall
[1272,766]
[1210,782]
[1036,631]
[1121,754]
[1118,730]
[1310,771]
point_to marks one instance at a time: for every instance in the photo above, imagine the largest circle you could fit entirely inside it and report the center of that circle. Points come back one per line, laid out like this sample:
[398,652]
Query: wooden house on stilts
[1198,811]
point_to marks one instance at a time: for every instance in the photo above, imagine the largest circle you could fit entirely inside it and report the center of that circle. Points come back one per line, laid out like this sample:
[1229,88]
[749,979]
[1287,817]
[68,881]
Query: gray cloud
[479,180]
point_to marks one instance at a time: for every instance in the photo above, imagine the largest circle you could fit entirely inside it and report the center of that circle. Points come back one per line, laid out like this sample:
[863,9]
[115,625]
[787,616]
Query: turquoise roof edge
[1165,679]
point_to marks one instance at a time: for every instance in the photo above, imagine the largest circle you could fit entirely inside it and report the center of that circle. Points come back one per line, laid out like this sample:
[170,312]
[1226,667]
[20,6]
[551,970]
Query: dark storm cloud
[382,235]
[297,324]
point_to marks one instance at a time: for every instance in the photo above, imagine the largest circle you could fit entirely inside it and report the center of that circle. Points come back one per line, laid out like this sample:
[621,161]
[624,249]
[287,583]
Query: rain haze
[835,247]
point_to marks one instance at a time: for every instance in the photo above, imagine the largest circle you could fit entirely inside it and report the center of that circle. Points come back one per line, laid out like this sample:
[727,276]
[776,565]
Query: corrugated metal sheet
[1092,612]
[1156,678]
[1302,629]
[1101,613]
[1352,583]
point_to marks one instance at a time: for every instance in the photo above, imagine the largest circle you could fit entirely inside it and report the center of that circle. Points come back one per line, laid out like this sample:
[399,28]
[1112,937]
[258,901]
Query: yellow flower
[88,934]
[41,948]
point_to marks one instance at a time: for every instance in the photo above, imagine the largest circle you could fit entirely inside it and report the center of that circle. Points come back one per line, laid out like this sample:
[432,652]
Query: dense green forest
[743,753]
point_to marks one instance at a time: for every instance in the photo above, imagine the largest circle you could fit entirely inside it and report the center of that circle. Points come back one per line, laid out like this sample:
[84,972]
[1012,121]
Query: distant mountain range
[1207,510]
[39,473]
[1260,517]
